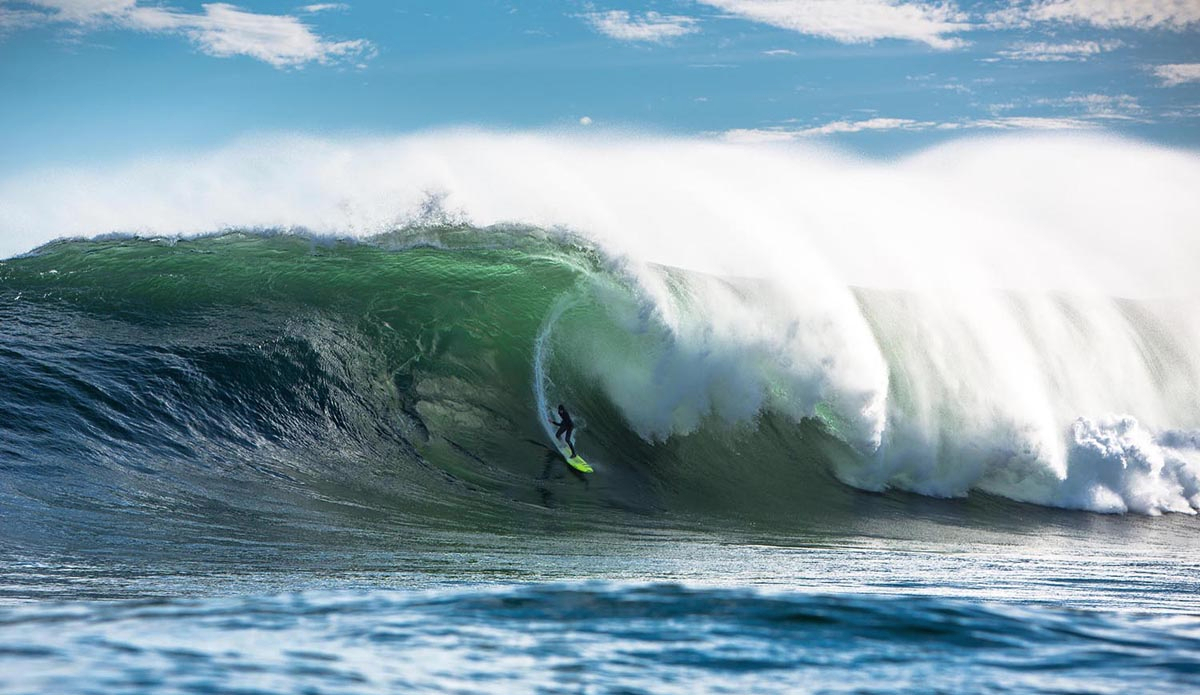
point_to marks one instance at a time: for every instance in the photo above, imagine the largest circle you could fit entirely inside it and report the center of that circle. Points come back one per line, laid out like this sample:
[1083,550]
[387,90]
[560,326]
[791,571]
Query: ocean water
[267,460]
[562,610]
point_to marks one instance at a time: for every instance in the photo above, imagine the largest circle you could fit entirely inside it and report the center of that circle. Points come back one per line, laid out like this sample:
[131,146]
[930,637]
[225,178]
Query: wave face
[225,380]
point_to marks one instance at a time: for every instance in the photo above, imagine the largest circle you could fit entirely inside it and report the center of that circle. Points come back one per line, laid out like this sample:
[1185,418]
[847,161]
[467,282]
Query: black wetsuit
[565,427]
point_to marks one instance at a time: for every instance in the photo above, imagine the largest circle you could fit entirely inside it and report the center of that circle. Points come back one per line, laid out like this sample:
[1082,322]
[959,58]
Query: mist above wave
[998,356]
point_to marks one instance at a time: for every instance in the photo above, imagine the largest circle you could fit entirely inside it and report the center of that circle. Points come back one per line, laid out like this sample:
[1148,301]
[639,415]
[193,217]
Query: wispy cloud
[840,127]
[857,21]
[1128,14]
[222,29]
[754,135]
[325,7]
[1097,107]
[1106,106]
[1058,52]
[868,124]
[651,27]
[1175,74]
[757,135]
[779,52]
[12,20]
[1020,123]
[1182,113]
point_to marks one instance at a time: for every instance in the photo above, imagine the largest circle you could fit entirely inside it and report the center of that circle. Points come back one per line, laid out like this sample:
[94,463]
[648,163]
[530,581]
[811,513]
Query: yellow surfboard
[575,462]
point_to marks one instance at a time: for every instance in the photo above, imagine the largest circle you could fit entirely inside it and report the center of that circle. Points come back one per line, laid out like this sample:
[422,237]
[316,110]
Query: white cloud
[779,52]
[1183,112]
[1058,52]
[652,26]
[868,124]
[1021,123]
[856,21]
[12,20]
[325,7]
[766,135]
[756,135]
[586,120]
[1083,106]
[1120,106]
[76,11]
[1110,14]
[1176,74]
[221,30]
[280,40]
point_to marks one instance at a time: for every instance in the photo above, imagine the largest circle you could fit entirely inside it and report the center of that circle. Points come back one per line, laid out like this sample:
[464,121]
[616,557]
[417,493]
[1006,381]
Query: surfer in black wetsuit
[566,426]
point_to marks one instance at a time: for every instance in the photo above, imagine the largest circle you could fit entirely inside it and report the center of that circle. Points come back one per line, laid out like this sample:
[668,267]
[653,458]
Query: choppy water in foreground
[628,612]
[591,638]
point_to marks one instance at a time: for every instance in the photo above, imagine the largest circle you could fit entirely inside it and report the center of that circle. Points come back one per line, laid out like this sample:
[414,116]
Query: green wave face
[397,376]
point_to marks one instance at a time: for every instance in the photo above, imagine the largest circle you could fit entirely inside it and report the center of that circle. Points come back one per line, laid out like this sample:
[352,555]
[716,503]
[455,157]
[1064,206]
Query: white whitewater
[541,353]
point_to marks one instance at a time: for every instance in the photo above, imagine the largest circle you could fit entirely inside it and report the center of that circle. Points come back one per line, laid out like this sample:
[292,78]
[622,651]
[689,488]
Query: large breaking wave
[732,324]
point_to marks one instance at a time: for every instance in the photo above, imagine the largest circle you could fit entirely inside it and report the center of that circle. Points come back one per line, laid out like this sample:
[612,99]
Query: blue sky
[97,80]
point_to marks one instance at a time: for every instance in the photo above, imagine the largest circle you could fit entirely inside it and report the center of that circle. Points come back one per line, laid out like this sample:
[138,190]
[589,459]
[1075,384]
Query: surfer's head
[561,409]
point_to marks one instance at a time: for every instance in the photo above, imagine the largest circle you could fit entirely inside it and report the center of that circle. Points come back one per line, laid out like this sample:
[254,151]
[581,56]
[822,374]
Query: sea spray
[955,320]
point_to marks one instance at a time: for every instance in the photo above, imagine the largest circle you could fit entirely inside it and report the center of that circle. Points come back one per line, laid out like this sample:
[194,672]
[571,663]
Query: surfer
[566,426]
